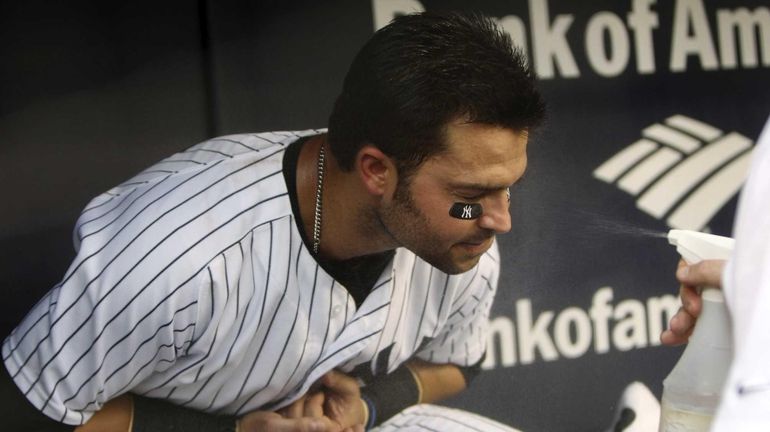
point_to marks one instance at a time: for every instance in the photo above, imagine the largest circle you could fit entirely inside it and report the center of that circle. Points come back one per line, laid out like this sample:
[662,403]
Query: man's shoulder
[208,162]
[223,181]
[248,143]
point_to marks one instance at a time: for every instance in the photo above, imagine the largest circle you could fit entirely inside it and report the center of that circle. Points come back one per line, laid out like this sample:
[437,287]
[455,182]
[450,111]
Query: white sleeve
[745,402]
[431,418]
[463,338]
[99,333]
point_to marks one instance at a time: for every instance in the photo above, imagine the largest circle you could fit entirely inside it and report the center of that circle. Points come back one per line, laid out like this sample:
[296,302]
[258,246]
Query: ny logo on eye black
[465,211]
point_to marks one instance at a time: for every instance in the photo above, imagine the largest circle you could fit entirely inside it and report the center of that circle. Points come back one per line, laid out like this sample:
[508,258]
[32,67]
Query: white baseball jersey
[432,418]
[192,284]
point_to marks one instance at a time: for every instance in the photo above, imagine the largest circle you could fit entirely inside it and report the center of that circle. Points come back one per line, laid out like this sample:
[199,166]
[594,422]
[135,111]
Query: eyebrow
[477,186]
[486,186]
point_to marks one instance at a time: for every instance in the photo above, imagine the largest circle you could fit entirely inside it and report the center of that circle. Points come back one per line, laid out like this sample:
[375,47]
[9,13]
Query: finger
[341,383]
[255,421]
[682,323]
[266,421]
[669,338]
[314,405]
[304,424]
[680,329]
[704,273]
[691,300]
[296,409]
[333,406]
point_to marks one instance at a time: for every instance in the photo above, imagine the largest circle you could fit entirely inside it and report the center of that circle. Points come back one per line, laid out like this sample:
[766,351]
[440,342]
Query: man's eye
[471,197]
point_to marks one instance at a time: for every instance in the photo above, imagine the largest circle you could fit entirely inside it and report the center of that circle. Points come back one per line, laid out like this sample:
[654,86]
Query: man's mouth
[478,241]
[476,245]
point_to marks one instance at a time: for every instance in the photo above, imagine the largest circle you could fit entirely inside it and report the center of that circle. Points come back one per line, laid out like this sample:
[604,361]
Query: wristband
[153,415]
[390,394]
[417,383]
[371,412]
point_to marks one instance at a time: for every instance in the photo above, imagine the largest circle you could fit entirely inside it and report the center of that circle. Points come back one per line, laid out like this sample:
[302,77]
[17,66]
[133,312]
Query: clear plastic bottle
[692,390]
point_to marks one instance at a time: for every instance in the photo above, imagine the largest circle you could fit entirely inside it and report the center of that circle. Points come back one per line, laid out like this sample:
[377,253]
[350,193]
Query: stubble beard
[409,228]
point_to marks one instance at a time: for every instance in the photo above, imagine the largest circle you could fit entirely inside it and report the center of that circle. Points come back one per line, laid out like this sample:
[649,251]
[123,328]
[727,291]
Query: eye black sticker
[466,211]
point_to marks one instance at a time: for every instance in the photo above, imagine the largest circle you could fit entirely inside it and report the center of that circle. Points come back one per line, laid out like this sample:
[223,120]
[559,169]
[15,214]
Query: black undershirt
[358,274]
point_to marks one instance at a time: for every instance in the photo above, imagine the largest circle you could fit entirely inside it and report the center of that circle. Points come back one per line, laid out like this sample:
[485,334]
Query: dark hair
[422,71]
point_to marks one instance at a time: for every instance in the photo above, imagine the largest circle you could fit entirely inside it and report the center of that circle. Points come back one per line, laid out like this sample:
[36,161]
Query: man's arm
[414,383]
[115,416]
[348,405]
[152,415]
[436,381]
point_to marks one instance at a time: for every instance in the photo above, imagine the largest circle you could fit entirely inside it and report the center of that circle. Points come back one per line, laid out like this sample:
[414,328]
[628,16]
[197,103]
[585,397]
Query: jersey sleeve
[104,328]
[463,336]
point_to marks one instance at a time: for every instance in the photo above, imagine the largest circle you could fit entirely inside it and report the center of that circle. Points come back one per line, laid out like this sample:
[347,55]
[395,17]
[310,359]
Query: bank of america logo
[681,170]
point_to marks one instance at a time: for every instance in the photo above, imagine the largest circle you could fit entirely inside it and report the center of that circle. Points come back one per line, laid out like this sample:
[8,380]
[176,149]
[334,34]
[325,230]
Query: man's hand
[343,402]
[306,414]
[309,405]
[705,273]
[268,421]
[303,415]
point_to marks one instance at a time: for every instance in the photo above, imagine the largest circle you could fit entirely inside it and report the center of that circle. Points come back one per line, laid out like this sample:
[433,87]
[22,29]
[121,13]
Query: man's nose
[496,216]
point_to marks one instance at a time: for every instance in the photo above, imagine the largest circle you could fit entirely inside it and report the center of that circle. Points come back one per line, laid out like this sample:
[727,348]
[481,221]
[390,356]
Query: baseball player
[305,280]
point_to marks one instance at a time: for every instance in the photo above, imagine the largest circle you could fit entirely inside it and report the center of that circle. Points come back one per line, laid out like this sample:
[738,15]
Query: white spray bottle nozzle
[696,246]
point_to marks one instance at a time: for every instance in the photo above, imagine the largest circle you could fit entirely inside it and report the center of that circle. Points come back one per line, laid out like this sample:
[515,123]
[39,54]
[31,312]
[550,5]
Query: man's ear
[376,170]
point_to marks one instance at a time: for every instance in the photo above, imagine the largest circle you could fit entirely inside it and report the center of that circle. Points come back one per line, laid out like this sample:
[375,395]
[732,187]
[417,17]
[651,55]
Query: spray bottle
[692,390]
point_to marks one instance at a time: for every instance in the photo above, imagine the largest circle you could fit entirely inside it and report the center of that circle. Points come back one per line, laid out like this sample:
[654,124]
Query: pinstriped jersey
[431,418]
[192,283]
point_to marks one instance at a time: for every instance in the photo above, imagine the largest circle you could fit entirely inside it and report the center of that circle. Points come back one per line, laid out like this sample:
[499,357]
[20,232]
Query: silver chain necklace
[318,201]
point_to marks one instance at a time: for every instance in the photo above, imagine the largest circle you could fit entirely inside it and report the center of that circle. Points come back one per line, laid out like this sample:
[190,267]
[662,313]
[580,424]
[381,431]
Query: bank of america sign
[682,170]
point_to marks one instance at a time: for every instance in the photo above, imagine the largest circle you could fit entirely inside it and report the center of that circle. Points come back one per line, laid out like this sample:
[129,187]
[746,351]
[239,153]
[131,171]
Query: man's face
[480,164]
